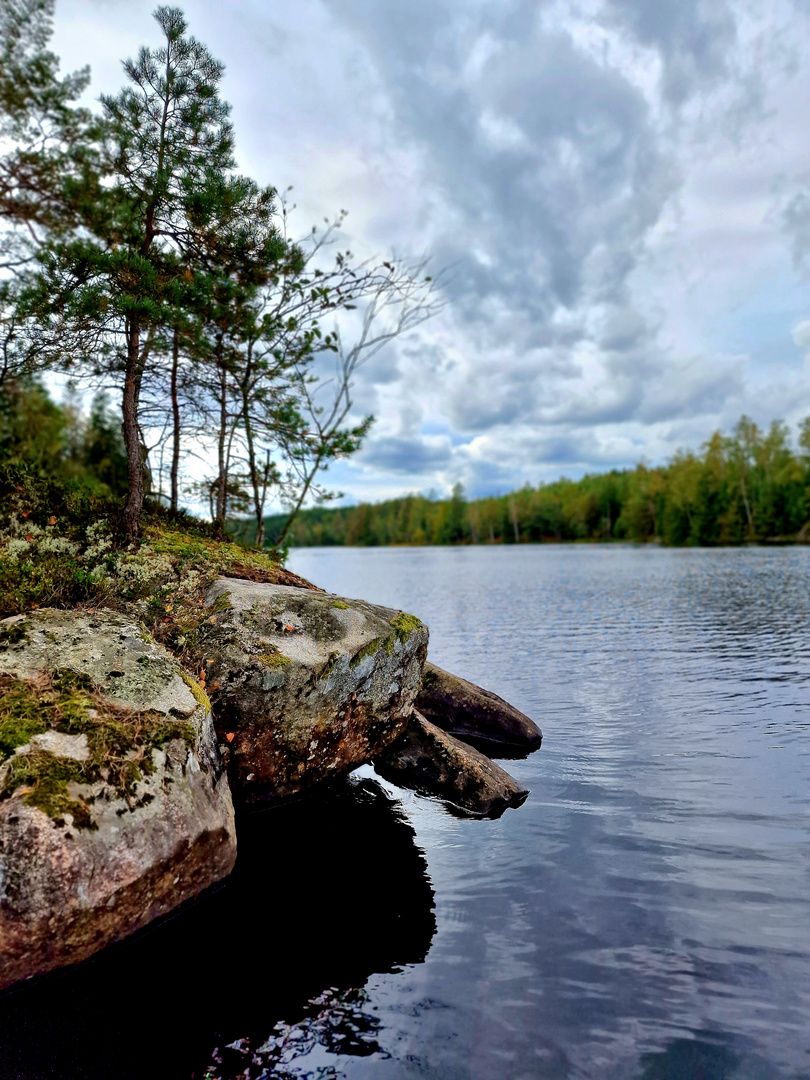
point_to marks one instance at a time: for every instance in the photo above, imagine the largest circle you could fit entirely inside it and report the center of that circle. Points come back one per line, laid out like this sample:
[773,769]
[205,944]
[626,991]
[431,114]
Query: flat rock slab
[114,803]
[432,762]
[305,685]
[475,715]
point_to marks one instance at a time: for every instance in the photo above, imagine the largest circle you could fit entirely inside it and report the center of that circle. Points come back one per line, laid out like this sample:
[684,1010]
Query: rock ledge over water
[116,770]
[432,762]
[305,685]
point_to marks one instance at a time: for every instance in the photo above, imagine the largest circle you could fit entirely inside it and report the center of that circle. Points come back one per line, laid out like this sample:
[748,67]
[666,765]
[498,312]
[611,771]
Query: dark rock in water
[114,805]
[305,685]
[475,715]
[432,762]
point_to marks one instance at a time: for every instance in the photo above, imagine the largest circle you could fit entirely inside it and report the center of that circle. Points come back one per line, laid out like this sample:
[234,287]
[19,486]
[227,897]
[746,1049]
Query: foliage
[58,441]
[63,545]
[748,487]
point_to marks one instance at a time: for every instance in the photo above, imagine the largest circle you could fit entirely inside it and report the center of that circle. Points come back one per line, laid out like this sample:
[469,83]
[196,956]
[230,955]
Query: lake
[645,914]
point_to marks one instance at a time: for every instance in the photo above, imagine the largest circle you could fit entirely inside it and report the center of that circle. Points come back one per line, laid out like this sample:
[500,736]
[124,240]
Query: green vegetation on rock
[405,625]
[200,695]
[369,649]
[273,658]
[61,545]
[119,743]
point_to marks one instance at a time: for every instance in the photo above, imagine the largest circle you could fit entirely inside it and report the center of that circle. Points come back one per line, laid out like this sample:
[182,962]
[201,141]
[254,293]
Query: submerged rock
[475,715]
[114,805]
[305,685]
[432,762]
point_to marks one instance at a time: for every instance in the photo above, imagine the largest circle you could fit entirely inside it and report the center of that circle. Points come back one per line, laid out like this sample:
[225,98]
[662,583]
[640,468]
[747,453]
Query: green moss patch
[405,625]
[200,695]
[272,657]
[21,715]
[340,604]
[429,678]
[370,649]
[222,603]
[120,742]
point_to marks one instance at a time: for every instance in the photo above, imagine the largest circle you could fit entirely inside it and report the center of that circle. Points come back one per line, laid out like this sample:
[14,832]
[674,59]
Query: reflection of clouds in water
[645,911]
[335,1024]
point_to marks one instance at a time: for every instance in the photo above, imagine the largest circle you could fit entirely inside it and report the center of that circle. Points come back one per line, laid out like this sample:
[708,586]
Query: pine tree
[170,206]
[48,156]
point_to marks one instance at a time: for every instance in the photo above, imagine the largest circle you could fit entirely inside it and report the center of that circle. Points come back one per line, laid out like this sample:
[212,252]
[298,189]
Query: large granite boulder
[114,804]
[432,762]
[475,715]
[305,685]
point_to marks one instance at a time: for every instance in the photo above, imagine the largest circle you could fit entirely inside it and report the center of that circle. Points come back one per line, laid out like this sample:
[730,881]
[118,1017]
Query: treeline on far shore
[751,486]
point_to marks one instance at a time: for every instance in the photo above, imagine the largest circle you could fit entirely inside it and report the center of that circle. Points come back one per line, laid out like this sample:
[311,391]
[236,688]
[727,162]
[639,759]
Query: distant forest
[752,486]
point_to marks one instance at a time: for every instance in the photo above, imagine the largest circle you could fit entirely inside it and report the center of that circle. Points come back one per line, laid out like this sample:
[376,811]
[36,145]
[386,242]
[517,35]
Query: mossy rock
[114,805]
[305,686]
[61,545]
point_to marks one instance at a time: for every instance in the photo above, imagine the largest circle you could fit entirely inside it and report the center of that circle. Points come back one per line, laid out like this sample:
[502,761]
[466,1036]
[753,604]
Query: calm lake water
[645,914]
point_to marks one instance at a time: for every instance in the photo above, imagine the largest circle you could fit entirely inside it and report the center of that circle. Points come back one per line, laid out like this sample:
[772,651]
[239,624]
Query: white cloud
[801,335]
[621,187]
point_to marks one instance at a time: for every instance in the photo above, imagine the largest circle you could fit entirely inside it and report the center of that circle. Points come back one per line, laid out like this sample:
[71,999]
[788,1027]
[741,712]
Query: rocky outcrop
[305,685]
[475,715]
[115,803]
[114,806]
[432,762]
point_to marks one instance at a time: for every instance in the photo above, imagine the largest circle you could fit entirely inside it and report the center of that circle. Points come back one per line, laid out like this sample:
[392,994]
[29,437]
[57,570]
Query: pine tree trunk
[176,422]
[132,442]
[258,500]
[222,486]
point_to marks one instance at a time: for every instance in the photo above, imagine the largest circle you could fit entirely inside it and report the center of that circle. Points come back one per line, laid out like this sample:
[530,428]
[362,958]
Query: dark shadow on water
[690,1059]
[497,750]
[325,893]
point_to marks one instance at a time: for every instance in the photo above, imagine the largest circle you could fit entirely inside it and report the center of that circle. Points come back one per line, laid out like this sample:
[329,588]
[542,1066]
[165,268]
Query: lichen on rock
[304,685]
[119,744]
[114,806]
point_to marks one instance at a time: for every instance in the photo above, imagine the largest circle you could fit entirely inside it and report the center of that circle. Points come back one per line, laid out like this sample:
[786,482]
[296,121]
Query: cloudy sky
[620,188]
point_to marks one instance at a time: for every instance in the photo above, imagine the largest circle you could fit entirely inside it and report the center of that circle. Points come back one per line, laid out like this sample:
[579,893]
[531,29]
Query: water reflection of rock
[683,1059]
[324,894]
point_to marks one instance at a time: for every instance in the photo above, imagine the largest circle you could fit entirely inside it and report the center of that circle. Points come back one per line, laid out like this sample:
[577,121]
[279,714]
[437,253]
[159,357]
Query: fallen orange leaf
[29,538]
[289,627]
[51,520]
[230,736]
[25,513]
